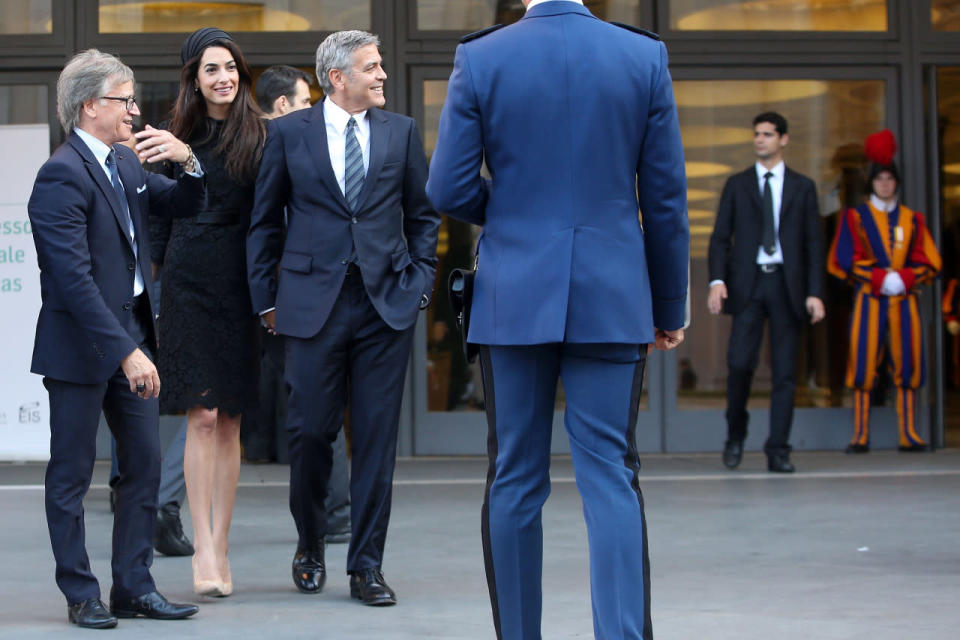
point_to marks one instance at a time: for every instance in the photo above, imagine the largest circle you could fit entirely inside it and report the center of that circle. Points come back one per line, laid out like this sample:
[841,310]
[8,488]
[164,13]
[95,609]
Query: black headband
[199,40]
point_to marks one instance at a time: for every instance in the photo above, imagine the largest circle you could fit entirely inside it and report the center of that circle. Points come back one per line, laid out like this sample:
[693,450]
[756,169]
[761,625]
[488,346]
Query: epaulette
[481,33]
[630,27]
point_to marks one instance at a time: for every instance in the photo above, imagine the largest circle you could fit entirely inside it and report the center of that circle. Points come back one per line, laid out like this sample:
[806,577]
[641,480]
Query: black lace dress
[208,339]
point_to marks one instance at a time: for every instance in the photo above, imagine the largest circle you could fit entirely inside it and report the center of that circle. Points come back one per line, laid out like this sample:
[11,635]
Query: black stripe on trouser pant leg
[486,369]
[632,462]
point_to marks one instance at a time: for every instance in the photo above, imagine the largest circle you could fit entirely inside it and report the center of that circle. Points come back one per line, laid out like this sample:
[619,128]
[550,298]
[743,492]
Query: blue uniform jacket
[577,123]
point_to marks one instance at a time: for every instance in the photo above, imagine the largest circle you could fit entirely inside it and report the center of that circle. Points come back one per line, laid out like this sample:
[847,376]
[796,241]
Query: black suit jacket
[87,266]
[736,239]
[394,230]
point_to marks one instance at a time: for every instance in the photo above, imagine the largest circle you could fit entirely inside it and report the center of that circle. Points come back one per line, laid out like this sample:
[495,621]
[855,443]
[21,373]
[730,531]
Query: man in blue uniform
[582,264]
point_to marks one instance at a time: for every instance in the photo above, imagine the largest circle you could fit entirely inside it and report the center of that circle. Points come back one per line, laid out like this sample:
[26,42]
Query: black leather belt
[770,268]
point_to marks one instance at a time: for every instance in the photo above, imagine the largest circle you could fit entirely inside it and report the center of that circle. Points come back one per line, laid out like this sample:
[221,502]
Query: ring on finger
[141,388]
[161,148]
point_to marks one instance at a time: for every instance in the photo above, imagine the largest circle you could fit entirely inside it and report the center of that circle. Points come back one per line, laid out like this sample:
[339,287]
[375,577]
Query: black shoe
[91,614]
[913,448]
[151,605]
[309,572]
[369,586]
[168,538]
[338,537]
[858,448]
[732,453]
[780,463]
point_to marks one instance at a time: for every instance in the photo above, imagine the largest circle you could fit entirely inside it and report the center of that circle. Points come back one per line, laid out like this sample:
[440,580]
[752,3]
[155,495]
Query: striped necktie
[353,166]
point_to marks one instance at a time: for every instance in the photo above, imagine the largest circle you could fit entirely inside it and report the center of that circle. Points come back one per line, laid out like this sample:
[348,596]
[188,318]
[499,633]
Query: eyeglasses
[128,102]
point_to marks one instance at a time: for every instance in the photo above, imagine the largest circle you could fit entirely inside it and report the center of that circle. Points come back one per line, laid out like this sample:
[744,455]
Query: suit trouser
[768,300]
[602,383]
[173,487]
[356,354]
[74,418]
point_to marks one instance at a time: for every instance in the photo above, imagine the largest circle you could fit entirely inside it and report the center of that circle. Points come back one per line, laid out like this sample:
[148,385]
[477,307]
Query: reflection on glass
[139,16]
[829,119]
[778,15]
[471,15]
[452,383]
[25,16]
[23,104]
[948,107]
[945,15]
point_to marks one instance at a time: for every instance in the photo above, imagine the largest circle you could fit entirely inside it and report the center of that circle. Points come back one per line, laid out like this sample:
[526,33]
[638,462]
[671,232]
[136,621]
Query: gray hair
[336,52]
[87,76]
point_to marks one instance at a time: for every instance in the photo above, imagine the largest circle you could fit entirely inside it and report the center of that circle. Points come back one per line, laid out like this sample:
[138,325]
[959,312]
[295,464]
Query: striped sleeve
[923,262]
[850,258]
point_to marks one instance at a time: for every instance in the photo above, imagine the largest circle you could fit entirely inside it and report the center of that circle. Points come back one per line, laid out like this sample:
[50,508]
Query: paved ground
[851,548]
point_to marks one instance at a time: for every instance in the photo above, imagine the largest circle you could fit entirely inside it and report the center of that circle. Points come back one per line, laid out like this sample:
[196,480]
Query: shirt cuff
[713,282]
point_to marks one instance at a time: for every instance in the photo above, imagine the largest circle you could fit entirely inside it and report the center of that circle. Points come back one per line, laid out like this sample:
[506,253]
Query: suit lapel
[102,181]
[379,143]
[316,136]
[788,196]
[753,188]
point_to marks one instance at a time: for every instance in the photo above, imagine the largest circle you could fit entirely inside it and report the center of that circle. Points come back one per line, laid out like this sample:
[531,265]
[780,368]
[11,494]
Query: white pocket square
[142,189]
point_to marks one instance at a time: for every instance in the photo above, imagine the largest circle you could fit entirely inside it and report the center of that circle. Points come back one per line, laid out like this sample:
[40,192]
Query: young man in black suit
[766,262]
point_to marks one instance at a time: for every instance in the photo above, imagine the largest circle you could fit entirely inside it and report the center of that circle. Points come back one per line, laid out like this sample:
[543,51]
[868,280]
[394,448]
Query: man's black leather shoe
[913,448]
[309,572]
[858,448]
[91,614]
[780,464]
[732,453]
[368,586]
[151,605]
[168,538]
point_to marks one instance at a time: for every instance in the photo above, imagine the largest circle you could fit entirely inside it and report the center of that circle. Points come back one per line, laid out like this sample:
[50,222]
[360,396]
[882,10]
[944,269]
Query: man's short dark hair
[774,118]
[279,80]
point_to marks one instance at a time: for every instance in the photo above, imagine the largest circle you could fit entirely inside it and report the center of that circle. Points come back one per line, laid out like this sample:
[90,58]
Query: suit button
[131,267]
[353,220]
[126,306]
[344,261]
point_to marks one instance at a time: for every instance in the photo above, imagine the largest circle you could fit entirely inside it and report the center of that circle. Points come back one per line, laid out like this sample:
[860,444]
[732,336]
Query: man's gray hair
[336,52]
[89,74]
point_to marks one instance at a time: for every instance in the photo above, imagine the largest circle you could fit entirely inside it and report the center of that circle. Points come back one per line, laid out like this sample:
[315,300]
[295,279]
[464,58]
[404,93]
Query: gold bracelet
[189,165]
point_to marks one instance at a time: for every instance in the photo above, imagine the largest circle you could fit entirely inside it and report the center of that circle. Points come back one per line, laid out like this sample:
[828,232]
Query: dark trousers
[74,418]
[356,358]
[602,383]
[768,301]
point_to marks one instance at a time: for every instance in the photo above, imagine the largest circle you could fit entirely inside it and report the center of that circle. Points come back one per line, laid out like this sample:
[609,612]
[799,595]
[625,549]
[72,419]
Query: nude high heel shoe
[213,588]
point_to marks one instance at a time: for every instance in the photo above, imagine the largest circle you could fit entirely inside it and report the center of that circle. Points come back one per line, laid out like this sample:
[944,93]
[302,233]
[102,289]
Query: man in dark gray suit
[766,262]
[356,266]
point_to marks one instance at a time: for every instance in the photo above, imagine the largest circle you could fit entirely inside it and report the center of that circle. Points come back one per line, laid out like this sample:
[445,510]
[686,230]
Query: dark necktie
[121,195]
[353,166]
[769,238]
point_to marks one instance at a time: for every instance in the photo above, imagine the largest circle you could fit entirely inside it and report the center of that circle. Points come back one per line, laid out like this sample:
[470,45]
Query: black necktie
[769,239]
[121,195]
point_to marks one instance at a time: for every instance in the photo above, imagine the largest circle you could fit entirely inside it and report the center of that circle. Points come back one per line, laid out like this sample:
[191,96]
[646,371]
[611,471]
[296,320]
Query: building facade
[837,69]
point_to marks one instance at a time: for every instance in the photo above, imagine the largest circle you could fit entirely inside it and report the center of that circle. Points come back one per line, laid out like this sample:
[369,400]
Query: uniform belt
[770,268]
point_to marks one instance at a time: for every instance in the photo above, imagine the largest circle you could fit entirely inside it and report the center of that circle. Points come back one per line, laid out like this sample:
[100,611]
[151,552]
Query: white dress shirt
[776,187]
[536,2]
[336,120]
[100,152]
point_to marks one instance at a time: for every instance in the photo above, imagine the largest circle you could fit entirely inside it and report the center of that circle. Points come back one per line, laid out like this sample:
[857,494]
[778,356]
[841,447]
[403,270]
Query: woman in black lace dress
[207,357]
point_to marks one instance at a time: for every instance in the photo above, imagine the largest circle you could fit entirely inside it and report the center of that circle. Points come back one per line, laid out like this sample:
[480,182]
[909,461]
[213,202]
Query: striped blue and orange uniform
[951,313]
[868,244]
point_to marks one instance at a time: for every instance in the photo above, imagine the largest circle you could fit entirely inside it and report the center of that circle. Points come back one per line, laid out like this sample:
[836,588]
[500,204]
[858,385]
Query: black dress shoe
[309,572]
[168,538]
[91,614]
[369,586]
[858,448]
[151,605]
[732,453]
[913,448]
[780,463]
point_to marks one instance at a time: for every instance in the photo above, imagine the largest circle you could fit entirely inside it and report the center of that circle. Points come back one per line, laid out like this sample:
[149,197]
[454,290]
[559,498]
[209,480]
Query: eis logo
[30,413]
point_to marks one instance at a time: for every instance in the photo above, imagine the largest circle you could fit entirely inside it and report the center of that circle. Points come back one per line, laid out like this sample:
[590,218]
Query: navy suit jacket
[732,256]
[577,123]
[394,228]
[87,266]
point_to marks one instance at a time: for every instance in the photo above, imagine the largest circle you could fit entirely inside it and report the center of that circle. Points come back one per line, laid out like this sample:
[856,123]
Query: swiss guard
[886,252]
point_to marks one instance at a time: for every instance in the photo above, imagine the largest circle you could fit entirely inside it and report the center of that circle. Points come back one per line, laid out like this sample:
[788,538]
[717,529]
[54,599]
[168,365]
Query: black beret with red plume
[880,148]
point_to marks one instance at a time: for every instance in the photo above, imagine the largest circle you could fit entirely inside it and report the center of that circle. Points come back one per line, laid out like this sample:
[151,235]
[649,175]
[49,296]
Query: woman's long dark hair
[241,142]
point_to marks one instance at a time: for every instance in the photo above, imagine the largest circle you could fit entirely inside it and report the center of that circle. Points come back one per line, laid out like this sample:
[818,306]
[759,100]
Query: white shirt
[776,188]
[100,152]
[536,2]
[880,205]
[336,120]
